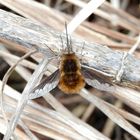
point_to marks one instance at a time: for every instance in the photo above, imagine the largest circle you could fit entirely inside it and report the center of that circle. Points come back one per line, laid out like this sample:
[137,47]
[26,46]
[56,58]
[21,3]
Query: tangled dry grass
[111,40]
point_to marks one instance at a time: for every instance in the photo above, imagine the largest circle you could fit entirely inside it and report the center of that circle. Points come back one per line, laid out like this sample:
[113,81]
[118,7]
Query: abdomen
[71,83]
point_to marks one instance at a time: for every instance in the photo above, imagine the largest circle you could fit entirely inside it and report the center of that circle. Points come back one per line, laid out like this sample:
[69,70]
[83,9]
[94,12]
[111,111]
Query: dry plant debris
[70,117]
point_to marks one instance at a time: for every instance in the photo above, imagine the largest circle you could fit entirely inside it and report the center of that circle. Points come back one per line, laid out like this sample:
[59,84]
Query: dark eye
[70,66]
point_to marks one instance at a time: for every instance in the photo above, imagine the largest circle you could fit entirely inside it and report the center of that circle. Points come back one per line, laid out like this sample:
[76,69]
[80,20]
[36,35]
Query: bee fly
[71,77]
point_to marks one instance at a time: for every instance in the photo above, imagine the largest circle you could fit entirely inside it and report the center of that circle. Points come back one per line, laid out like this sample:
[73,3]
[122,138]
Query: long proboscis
[68,41]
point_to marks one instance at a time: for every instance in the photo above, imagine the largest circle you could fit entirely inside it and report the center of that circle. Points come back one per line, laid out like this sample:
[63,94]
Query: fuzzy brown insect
[70,77]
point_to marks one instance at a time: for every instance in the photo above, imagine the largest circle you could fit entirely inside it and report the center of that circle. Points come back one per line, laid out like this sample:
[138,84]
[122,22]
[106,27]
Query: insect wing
[94,80]
[45,86]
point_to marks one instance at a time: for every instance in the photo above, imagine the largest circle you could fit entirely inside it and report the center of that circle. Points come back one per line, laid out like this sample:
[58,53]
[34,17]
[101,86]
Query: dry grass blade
[28,132]
[124,16]
[86,129]
[24,99]
[19,68]
[107,130]
[111,113]
[131,51]
[19,134]
[88,112]
[54,20]
[110,33]
[128,96]
[83,14]
[135,46]
[33,125]
[53,117]
[28,10]
[129,116]
[14,58]
[6,76]
[105,13]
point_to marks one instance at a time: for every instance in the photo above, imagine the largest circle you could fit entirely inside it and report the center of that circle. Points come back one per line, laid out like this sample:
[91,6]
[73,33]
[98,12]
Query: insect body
[71,79]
